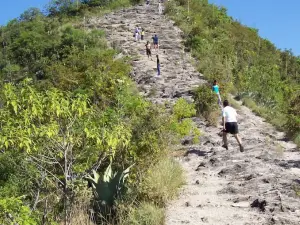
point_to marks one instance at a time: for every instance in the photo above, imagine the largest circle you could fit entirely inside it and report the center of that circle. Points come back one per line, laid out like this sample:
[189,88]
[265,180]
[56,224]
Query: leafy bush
[181,122]
[182,109]
[13,211]
[207,104]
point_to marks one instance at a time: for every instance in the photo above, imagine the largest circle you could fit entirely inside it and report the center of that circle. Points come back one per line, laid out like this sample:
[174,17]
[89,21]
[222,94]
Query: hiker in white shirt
[230,125]
[160,8]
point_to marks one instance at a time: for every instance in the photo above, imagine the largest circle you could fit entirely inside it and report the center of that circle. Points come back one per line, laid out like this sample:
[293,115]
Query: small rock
[266,180]
[261,204]
[202,164]
[197,182]
[187,204]
[249,177]
[187,141]
[187,159]
[204,219]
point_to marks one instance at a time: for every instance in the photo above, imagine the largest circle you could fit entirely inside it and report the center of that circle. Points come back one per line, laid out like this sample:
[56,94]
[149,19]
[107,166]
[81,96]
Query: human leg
[225,142]
[237,137]
[219,99]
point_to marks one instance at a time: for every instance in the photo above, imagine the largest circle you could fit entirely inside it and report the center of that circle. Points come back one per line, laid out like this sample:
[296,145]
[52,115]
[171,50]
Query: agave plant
[107,188]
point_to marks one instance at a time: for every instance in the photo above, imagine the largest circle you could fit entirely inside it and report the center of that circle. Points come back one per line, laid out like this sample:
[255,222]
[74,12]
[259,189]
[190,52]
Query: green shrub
[13,211]
[234,103]
[183,109]
[145,214]
[207,104]
[297,139]
[249,103]
[162,181]
[181,122]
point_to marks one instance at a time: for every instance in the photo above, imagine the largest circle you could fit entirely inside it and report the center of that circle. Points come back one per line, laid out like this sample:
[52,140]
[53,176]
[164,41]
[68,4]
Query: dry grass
[144,214]
[162,181]
[234,103]
[81,213]
[297,139]
[179,152]
[277,119]
[213,117]
[81,216]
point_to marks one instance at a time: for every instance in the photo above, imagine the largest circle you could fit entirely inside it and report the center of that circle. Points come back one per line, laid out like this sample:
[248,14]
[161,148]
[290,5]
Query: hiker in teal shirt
[215,89]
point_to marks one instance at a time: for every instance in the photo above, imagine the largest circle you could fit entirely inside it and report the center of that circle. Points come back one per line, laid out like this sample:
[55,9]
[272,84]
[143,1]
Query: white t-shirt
[230,114]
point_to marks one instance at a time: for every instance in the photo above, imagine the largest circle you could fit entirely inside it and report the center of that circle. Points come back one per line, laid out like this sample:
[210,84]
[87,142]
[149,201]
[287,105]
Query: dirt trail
[221,185]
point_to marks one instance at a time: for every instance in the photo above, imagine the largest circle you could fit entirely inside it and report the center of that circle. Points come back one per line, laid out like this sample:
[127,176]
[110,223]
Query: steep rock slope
[178,76]
[258,186]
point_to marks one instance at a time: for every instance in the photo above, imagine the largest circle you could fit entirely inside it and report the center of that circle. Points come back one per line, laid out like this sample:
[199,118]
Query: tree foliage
[68,108]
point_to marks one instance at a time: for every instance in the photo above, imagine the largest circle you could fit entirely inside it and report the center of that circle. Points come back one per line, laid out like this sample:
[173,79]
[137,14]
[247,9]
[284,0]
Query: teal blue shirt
[216,89]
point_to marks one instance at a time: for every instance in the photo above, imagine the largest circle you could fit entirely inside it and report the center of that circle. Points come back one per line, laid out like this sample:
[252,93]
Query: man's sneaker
[241,148]
[225,146]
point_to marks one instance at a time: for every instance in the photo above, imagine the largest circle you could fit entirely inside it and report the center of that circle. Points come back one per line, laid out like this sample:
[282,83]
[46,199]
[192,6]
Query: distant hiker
[148,50]
[230,125]
[215,89]
[147,2]
[155,41]
[158,65]
[136,34]
[142,34]
[160,9]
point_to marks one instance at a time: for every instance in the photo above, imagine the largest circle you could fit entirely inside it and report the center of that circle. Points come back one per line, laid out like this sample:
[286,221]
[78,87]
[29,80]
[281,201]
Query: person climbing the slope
[229,122]
[158,66]
[215,89]
[160,9]
[155,41]
[142,34]
[148,50]
[147,2]
[136,34]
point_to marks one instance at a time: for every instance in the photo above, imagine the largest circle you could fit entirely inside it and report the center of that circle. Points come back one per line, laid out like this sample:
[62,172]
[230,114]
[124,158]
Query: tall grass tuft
[162,181]
[145,214]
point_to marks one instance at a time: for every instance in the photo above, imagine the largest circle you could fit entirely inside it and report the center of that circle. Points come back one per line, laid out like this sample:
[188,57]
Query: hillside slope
[221,185]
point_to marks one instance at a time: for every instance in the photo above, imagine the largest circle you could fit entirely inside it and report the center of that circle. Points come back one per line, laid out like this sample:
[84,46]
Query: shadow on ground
[195,152]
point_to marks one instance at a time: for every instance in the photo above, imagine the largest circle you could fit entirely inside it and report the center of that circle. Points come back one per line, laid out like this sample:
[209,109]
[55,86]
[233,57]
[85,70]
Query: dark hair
[225,103]
[215,81]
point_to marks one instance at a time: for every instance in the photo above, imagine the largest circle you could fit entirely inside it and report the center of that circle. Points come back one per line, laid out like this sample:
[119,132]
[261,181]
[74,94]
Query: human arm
[223,119]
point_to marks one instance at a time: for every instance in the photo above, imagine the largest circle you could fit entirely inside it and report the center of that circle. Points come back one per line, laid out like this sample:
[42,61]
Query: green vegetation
[162,180]
[145,214]
[68,108]
[206,104]
[244,64]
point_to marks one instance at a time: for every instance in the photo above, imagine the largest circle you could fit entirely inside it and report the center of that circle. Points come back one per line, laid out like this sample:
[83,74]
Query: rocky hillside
[259,186]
